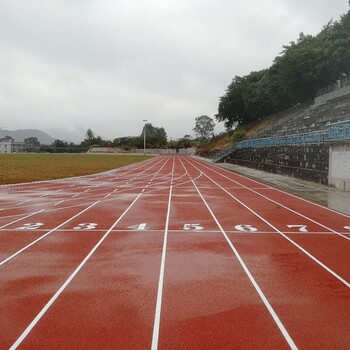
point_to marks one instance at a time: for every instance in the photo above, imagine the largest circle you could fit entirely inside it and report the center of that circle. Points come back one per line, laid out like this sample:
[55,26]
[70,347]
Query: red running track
[172,253]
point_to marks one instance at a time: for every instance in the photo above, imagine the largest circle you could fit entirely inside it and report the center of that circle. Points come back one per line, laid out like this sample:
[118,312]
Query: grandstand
[312,143]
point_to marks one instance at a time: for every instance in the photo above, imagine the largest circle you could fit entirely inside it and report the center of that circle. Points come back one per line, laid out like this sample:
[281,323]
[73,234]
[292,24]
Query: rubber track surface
[171,253]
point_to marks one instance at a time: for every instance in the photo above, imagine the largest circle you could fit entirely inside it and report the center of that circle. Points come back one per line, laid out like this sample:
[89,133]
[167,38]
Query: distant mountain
[20,135]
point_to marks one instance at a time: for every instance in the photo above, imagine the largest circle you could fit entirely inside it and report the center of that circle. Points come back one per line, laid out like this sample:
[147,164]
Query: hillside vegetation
[303,67]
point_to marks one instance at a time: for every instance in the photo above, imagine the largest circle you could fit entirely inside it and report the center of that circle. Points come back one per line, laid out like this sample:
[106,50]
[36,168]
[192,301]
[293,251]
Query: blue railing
[334,132]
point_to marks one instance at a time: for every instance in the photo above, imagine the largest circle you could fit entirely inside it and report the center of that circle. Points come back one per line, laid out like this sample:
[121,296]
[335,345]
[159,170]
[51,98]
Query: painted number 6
[246,228]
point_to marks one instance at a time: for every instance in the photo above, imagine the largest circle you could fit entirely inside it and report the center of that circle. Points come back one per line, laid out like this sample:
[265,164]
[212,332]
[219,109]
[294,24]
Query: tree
[303,67]
[31,141]
[204,127]
[155,137]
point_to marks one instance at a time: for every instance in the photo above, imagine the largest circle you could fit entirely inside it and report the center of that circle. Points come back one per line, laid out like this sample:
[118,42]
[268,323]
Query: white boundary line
[20,219]
[276,189]
[262,296]
[75,272]
[56,228]
[156,326]
[283,206]
[46,234]
[342,280]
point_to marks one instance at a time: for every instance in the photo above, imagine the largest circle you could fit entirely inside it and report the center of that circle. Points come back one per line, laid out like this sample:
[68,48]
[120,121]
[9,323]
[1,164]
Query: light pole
[144,137]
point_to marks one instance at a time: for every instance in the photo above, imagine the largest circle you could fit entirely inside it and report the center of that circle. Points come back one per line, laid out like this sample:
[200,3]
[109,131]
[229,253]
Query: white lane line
[25,217]
[250,276]
[75,272]
[156,326]
[65,284]
[283,206]
[333,273]
[23,202]
[46,234]
[59,202]
[276,189]
[84,198]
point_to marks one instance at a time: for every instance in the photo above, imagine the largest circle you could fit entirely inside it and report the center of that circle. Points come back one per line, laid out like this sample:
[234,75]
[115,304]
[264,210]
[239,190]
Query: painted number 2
[30,226]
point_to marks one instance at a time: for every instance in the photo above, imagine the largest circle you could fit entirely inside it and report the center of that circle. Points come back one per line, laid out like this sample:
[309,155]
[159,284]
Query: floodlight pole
[144,137]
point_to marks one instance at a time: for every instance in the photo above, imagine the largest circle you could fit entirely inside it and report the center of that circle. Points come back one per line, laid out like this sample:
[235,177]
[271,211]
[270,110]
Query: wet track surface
[172,253]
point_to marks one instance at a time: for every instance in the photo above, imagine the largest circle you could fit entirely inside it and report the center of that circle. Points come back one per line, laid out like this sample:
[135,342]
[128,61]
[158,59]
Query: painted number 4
[85,226]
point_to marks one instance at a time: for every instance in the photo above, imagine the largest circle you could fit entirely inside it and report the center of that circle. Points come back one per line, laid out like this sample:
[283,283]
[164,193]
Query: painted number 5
[193,227]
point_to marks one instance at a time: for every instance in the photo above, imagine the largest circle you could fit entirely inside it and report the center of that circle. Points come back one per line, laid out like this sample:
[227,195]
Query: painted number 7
[302,228]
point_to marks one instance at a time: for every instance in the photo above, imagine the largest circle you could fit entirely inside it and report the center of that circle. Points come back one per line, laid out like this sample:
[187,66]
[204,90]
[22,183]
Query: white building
[10,146]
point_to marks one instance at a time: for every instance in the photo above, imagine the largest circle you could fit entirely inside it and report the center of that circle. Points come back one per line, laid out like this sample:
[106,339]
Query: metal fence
[334,132]
[338,85]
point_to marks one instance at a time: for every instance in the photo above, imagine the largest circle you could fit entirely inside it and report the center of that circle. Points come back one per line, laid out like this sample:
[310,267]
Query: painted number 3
[86,226]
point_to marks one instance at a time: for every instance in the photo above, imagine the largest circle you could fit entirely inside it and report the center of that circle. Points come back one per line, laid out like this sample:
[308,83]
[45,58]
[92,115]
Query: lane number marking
[302,228]
[30,226]
[139,227]
[246,228]
[86,226]
[195,227]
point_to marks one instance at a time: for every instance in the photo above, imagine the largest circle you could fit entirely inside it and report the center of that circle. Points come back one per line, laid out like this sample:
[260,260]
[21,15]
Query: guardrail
[223,153]
[334,132]
[338,85]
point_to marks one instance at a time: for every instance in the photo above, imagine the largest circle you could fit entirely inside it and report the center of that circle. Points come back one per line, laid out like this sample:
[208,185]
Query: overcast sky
[69,65]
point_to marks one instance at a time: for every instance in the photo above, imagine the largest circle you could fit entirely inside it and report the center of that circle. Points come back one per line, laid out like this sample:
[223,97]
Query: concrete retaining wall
[304,162]
[339,166]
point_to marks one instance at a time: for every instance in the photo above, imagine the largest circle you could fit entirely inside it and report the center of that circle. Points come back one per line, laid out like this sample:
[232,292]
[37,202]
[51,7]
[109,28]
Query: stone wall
[306,162]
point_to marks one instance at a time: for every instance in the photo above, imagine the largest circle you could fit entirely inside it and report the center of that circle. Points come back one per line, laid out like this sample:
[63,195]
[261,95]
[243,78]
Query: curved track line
[342,280]
[60,225]
[283,206]
[262,296]
[70,278]
[278,190]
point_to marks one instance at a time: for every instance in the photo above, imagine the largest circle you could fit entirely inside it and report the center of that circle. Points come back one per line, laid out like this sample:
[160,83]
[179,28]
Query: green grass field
[15,168]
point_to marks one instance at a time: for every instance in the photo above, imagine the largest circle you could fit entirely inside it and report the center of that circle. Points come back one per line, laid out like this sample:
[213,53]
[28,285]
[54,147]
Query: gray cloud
[107,65]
